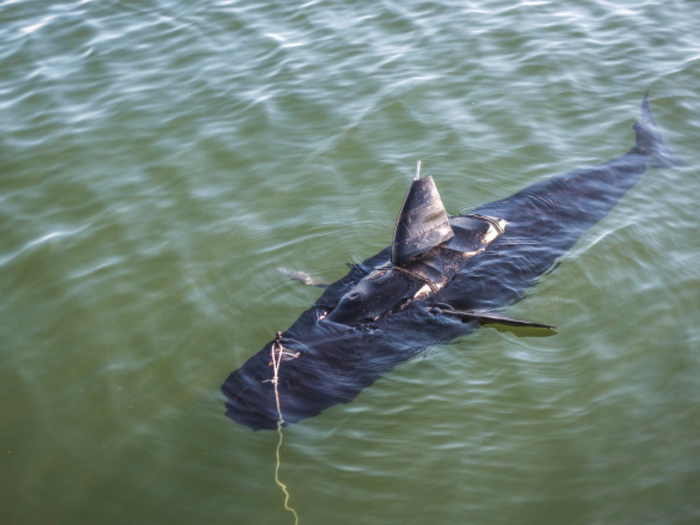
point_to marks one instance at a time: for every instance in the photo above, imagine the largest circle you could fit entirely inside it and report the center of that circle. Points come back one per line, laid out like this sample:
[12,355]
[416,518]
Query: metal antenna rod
[417,177]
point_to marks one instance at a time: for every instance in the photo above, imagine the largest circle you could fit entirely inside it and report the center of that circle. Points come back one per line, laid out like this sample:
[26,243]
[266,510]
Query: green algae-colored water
[158,161]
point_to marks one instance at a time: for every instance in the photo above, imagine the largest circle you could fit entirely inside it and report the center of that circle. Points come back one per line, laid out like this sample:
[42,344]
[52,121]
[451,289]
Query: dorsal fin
[422,223]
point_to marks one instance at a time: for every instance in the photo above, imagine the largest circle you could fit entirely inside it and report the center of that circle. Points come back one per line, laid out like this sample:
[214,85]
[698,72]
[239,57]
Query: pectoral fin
[494,318]
[303,277]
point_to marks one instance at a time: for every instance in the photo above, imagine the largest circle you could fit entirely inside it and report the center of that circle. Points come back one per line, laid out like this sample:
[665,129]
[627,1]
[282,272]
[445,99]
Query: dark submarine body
[441,278]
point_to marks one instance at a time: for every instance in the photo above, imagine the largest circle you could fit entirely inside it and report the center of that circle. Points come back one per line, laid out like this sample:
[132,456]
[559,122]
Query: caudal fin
[649,140]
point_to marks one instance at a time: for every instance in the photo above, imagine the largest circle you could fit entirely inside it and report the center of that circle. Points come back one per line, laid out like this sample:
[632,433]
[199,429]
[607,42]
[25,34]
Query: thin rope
[425,280]
[276,352]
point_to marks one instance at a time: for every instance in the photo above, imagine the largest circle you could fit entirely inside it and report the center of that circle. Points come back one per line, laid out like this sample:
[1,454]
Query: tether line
[276,352]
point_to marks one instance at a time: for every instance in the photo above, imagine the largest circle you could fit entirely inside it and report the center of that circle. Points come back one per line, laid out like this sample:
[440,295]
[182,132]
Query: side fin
[491,317]
[422,223]
[303,277]
[649,140]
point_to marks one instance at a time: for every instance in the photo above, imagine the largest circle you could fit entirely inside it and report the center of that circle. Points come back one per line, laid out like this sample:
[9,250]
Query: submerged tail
[649,140]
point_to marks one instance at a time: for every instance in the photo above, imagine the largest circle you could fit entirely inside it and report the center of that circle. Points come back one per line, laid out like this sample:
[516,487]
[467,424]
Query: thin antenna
[417,177]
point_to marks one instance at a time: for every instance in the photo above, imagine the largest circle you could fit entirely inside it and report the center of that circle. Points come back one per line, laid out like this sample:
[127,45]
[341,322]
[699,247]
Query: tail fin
[649,140]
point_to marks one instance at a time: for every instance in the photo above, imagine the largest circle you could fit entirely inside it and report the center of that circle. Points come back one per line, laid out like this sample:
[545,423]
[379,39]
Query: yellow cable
[276,352]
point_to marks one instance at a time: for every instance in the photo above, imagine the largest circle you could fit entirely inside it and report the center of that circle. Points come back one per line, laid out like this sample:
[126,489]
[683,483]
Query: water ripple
[159,160]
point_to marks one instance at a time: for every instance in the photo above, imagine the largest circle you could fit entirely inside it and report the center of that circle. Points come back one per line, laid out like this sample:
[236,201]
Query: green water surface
[160,159]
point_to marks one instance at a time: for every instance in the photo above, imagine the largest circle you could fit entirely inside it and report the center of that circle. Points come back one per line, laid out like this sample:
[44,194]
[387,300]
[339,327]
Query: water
[159,160]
